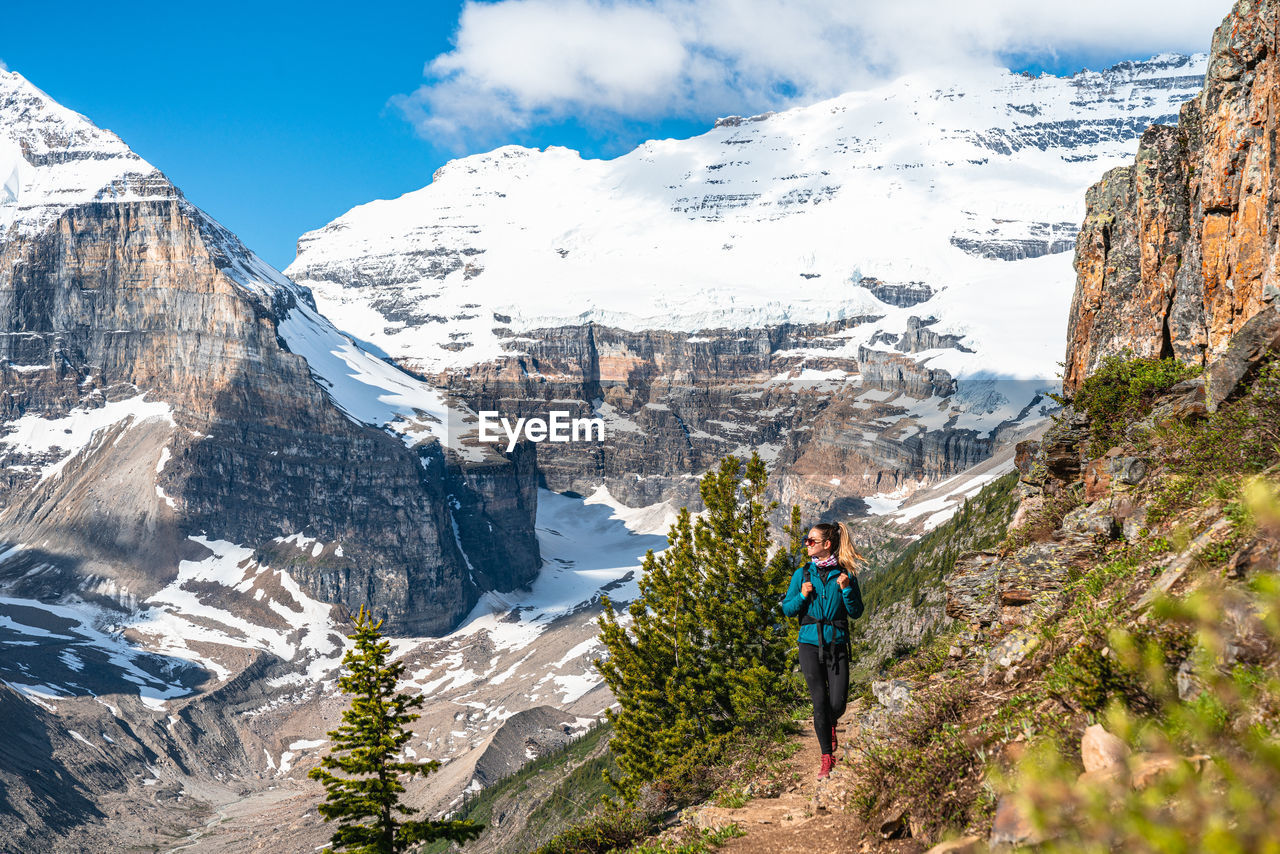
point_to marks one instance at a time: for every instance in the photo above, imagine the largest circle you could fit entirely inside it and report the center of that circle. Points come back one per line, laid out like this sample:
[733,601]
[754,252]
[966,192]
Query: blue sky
[277,118]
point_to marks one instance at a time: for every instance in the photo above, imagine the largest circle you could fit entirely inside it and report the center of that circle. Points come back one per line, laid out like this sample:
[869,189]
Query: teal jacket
[824,604]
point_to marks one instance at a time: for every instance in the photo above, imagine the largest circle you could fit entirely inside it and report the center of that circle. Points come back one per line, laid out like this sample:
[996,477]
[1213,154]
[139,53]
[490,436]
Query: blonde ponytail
[846,554]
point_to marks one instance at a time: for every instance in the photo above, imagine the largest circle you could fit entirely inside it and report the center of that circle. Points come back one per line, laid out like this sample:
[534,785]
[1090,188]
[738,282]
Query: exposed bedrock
[674,403]
[1179,250]
[118,300]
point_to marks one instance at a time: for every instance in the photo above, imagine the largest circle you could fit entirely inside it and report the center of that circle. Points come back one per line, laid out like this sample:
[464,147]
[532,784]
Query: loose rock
[1012,826]
[1100,749]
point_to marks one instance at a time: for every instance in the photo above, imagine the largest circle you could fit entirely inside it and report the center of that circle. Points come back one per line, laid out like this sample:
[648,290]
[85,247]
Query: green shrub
[1208,457]
[1094,676]
[602,833]
[703,842]
[922,762]
[1223,794]
[1121,391]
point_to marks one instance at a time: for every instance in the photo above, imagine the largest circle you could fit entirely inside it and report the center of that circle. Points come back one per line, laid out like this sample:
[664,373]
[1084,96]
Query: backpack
[840,621]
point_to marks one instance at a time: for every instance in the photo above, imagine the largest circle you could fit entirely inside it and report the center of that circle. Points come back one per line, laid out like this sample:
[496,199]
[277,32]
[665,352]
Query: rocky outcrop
[1179,250]
[898,294]
[891,372]
[1010,241]
[918,336]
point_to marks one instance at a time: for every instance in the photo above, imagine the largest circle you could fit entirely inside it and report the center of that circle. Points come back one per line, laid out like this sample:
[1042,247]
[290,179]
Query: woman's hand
[843,581]
[806,590]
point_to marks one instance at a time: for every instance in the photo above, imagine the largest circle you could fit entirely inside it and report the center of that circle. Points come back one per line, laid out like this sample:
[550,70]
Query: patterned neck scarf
[824,562]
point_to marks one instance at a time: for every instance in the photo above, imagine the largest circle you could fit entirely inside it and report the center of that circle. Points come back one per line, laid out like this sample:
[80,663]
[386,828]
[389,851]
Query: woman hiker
[824,594]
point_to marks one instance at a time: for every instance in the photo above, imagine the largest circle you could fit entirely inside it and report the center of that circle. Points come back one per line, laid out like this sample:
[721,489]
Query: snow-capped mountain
[761,221]
[126,308]
[55,159]
[197,465]
[874,286]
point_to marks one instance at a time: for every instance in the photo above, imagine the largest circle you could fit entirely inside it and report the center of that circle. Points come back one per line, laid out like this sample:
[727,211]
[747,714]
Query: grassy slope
[979,524]
[1100,653]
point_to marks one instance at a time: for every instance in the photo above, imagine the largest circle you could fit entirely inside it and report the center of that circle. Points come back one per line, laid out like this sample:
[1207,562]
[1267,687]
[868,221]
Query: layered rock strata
[674,403]
[130,316]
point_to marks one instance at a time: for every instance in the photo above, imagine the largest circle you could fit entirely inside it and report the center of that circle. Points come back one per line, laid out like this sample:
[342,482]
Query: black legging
[828,688]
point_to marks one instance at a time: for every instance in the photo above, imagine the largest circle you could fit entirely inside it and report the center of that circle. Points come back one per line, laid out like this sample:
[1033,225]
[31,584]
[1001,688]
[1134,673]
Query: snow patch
[72,433]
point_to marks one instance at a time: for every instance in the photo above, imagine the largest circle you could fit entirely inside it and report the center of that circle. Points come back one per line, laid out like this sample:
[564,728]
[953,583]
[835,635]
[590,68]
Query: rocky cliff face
[673,403]
[1179,250]
[158,381]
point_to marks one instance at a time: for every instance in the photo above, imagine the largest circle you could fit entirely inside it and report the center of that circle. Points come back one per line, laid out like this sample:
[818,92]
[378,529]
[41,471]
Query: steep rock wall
[120,299]
[673,403]
[1180,249]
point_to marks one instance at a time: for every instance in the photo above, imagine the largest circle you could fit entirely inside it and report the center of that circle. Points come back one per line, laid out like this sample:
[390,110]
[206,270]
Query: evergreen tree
[369,752]
[708,647]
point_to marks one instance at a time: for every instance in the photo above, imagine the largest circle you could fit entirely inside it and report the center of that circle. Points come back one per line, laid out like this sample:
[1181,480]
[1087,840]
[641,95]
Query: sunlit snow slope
[972,186]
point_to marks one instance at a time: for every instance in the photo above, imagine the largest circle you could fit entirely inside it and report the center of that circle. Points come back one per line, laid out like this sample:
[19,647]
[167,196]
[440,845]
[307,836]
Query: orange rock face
[1179,250]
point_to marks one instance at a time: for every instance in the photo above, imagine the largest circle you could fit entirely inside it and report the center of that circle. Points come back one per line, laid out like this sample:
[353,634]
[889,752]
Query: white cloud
[3,67]
[521,62]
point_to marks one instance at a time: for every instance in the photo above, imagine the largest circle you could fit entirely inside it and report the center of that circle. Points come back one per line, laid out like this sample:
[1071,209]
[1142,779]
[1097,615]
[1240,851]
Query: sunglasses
[810,541]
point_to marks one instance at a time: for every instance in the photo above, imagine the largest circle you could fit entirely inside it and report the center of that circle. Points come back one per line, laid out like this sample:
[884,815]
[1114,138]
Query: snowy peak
[49,132]
[759,221]
[52,158]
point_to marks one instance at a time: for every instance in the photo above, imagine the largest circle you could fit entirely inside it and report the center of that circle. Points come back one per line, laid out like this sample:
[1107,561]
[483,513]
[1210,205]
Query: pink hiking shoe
[834,742]
[828,762]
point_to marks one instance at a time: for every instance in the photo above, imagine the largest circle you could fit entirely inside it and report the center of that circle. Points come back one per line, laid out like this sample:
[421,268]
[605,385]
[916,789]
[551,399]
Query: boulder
[1025,455]
[1014,648]
[1094,519]
[1188,683]
[1131,516]
[1259,336]
[1148,767]
[1114,778]
[1246,636]
[1100,749]
[1012,825]
[1129,471]
[1257,555]
[1016,597]
[1184,401]
[893,694]
[1098,475]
